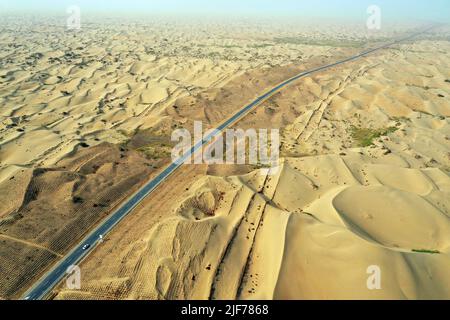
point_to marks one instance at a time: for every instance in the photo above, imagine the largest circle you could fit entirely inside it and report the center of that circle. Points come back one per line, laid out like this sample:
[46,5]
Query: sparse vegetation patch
[364,137]
[339,43]
[426,251]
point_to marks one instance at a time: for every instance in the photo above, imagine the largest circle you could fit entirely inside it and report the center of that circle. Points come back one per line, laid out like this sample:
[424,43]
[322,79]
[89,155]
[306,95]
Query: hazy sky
[436,10]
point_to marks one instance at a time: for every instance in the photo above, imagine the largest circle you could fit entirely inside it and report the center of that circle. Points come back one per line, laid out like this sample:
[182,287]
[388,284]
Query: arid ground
[87,116]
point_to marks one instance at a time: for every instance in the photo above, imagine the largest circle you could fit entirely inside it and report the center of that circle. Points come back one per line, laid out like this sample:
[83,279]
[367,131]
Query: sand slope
[53,207]
[310,232]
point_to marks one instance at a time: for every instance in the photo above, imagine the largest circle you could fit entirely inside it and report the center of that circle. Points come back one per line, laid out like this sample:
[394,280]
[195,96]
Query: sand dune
[106,82]
[257,237]
[364,179]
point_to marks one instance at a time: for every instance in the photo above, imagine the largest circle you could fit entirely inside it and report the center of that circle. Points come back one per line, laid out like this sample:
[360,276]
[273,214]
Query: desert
[363,177]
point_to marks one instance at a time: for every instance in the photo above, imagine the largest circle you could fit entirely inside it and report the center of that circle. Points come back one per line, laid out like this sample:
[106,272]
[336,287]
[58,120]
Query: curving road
[46,283]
